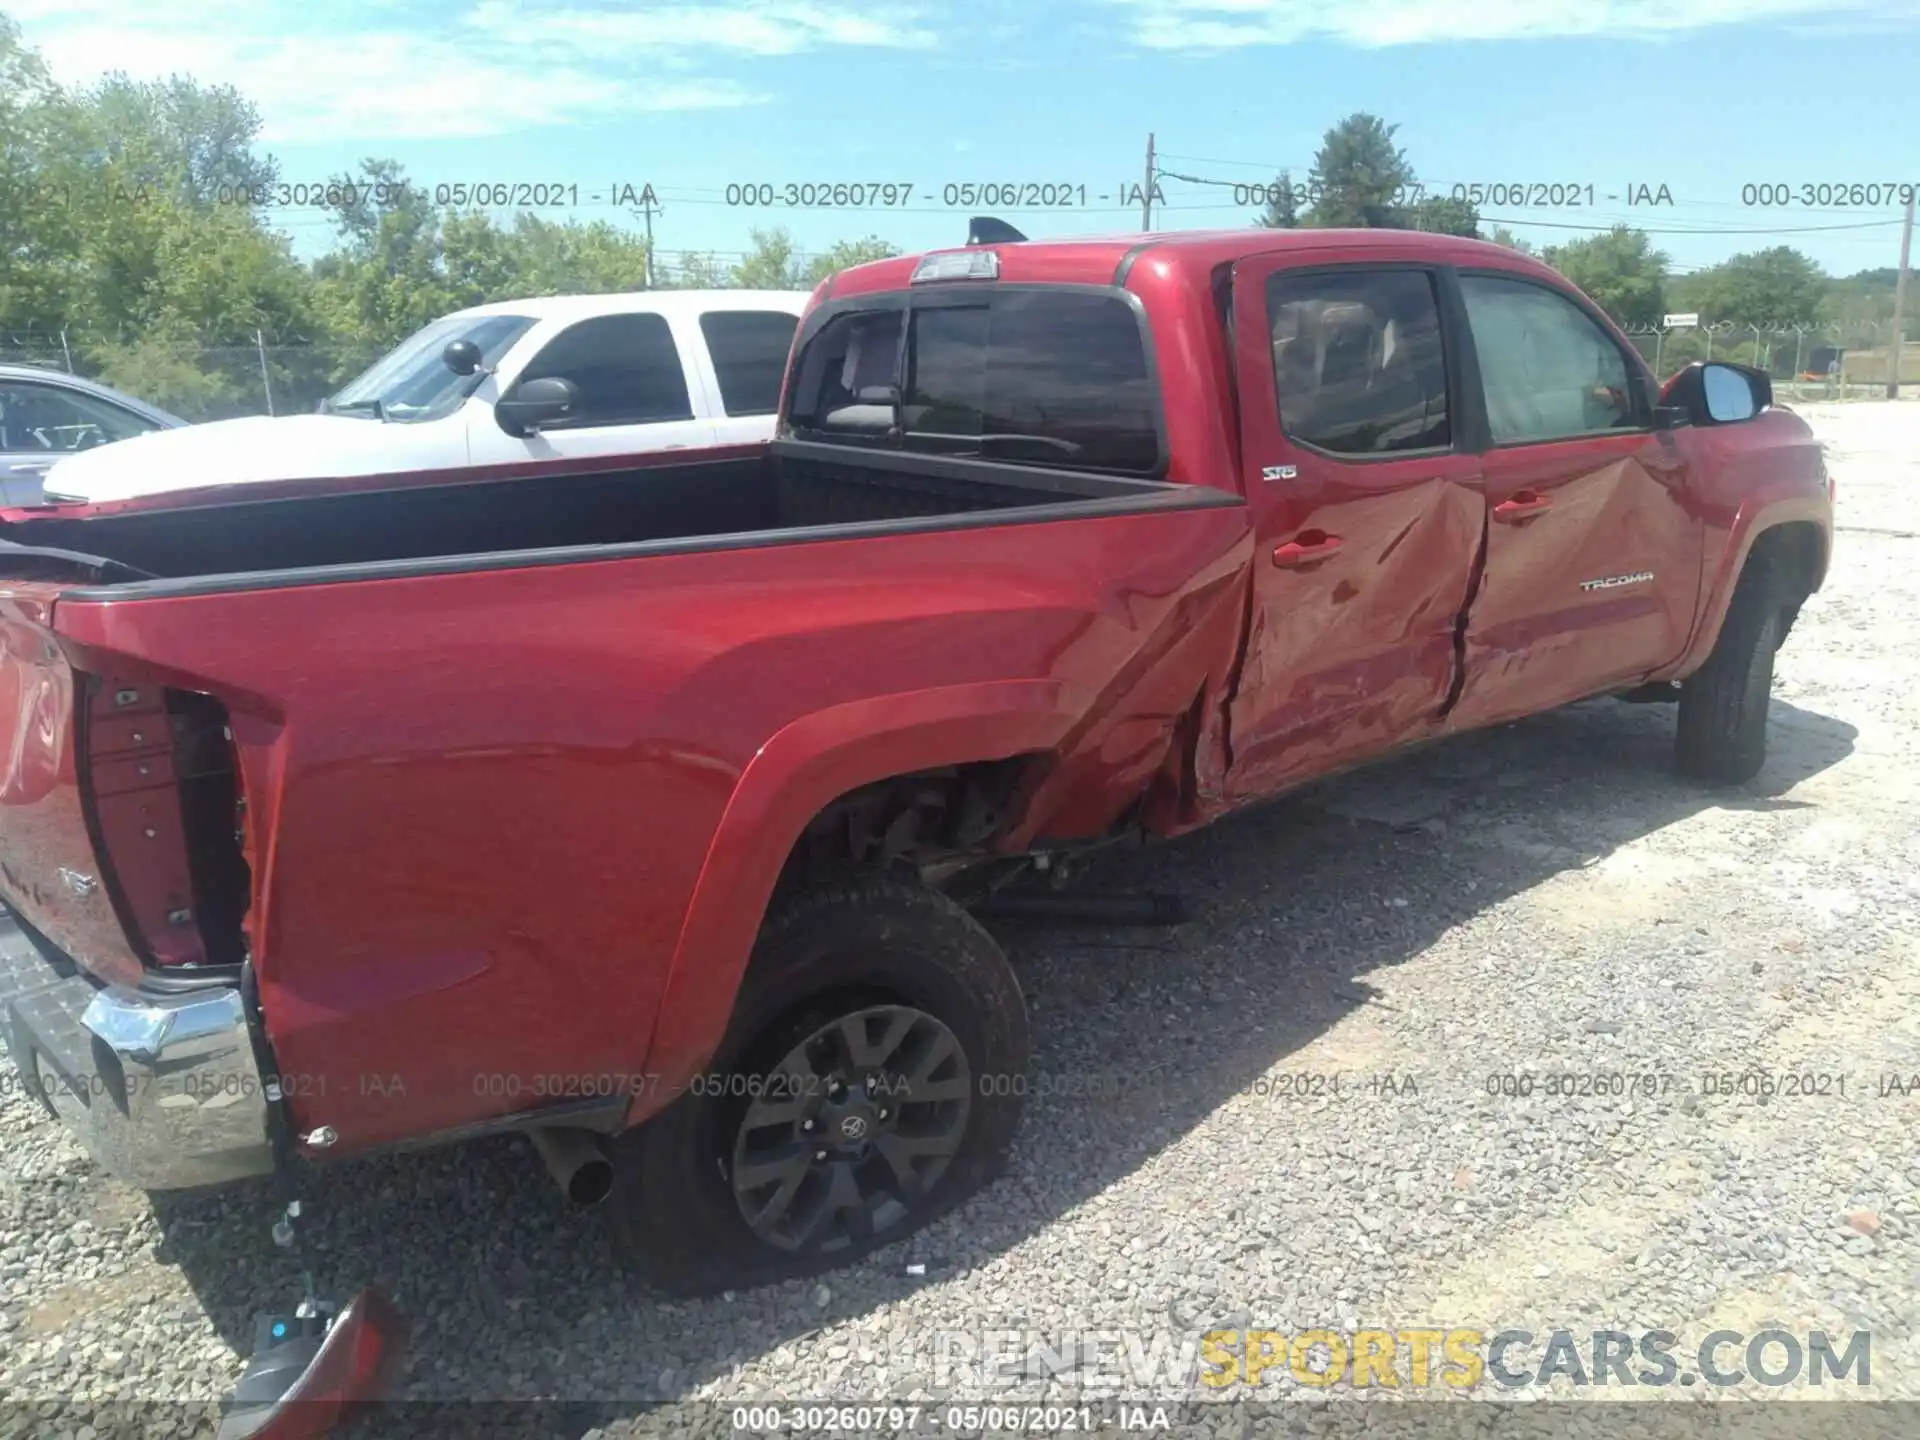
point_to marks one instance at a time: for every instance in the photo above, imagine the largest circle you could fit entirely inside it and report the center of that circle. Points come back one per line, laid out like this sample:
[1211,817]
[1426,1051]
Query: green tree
[770,263]
[698,272]
[1283,205]
[45,188]
[1442,215]
[1776,286]
[844,255]
[192,142]
[1503,236]
[387,277]
[1619,270]
[774,263]
[549,258]
[1360,178]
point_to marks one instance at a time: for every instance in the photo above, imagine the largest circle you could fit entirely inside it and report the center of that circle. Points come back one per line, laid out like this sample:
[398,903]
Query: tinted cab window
[626,367]
[749,350]
[1045,377]
[1357,361]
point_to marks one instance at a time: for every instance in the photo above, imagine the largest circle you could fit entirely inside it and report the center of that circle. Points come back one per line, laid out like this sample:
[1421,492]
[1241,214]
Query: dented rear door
[1367,510]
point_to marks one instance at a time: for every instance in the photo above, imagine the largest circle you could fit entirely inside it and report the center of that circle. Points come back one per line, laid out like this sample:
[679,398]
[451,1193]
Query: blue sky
[1699,96]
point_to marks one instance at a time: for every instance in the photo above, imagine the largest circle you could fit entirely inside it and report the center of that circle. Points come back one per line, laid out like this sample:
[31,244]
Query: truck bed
[791,492]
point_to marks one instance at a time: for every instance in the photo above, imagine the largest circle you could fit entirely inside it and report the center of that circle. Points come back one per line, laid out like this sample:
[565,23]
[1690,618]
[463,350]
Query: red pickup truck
[642,809]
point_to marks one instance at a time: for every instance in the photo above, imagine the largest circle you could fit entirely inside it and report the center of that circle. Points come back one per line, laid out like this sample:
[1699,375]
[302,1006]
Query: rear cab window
[1037,375]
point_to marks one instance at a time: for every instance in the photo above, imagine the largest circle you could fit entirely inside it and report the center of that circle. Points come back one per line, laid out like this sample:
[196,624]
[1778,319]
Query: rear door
[744,356]
[636,394]
[1593,559]
[1367,515]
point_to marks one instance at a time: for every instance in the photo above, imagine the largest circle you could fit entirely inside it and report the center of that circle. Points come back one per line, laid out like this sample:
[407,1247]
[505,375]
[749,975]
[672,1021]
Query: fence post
[260,345]
[1659,340]
[65,351]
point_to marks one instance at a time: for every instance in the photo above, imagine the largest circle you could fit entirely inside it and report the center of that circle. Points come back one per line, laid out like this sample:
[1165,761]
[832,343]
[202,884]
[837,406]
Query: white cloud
[1226,24]
[377,70]
[752,29]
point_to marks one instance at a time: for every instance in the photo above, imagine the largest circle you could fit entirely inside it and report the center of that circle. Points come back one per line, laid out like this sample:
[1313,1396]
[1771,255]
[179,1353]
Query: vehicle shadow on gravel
[513,1295]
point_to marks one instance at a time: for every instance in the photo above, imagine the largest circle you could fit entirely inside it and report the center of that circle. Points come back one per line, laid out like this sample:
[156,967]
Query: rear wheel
[862,1089]
[1722,732]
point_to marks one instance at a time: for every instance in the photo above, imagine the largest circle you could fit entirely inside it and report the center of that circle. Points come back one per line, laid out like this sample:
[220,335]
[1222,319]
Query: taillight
[162,795]
[354,1365]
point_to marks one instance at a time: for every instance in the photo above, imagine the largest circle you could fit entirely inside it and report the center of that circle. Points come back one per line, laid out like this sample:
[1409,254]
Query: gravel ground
[1542,899]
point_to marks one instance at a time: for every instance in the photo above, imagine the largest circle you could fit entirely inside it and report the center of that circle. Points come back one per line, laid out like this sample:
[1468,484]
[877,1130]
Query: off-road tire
[1722,732]
[844,943]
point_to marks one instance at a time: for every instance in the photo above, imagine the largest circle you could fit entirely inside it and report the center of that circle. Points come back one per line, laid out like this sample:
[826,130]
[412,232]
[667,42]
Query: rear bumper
[163,1090]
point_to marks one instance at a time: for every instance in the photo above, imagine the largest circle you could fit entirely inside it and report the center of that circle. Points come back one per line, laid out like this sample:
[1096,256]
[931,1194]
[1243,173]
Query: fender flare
[1747,529]
[811,762]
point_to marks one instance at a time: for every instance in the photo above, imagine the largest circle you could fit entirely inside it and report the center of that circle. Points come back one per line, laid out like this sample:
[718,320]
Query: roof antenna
[985,230]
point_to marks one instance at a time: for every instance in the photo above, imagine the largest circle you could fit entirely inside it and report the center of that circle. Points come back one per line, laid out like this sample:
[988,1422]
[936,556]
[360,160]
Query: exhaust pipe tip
[577,1162]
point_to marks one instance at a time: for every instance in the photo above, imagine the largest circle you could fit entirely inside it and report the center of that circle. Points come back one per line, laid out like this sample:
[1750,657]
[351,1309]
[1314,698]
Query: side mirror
[462,357]
[1713,393]
[534,403]
[1735,393]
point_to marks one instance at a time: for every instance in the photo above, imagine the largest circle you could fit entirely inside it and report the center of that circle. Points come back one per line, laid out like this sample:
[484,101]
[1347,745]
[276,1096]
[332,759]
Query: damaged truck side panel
[586,730]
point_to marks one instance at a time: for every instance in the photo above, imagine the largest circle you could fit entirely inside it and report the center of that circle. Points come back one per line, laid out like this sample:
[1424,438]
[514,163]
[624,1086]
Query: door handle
[1524,506]
[1310,547]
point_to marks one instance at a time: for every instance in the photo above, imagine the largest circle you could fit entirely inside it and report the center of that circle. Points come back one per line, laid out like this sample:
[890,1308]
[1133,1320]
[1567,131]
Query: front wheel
[1722,730]
[859,1093]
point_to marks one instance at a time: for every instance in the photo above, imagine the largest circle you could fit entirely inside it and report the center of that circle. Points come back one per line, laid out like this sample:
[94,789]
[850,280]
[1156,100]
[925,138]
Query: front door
[635,396]
[1367,519]
[1593,561]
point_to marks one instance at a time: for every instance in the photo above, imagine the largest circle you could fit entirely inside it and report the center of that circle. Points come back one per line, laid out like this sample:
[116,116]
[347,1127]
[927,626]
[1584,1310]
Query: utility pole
[266,384]
[1900,300]
[648,205]
[1146,192]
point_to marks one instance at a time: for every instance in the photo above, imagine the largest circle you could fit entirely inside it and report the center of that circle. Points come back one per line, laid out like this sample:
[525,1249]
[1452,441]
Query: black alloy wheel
[853,1126]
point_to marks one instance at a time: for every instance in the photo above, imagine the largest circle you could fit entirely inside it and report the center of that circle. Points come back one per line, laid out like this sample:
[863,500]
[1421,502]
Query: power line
[1710,230]
[1250,164]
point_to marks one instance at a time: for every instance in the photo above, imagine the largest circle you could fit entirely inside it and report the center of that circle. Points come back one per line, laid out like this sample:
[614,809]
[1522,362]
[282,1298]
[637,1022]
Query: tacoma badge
[1613,582]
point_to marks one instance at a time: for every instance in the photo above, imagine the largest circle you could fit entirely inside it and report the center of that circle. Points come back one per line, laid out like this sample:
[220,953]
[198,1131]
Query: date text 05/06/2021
[1519,1086]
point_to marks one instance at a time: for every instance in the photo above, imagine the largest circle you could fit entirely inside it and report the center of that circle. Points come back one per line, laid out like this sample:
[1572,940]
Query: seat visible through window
[1358,362]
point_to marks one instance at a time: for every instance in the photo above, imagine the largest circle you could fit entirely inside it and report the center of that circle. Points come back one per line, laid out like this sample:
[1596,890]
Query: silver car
[46,415]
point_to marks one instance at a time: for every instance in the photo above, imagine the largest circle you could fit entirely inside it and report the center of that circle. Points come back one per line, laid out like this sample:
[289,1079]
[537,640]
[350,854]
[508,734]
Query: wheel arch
[1796,534]
[804,770]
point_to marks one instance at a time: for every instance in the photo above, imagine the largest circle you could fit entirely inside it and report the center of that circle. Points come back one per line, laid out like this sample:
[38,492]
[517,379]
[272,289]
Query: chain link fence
[195,381]
[1851,361]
